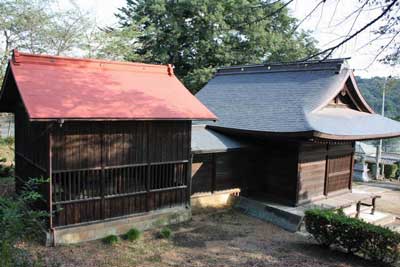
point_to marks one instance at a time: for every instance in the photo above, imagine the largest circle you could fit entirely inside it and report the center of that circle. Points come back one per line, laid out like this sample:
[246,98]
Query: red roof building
[81,89]
[113,138]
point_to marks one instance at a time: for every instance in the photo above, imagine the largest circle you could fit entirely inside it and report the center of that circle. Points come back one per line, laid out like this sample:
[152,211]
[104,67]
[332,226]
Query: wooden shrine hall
[113,138]
[287,131]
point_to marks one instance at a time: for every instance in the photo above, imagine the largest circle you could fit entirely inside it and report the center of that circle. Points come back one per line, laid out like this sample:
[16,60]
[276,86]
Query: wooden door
[338,173]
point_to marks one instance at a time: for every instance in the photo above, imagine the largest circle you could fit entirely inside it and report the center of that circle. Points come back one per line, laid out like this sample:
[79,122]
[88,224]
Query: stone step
[379,218]
[352,210]
[394,226]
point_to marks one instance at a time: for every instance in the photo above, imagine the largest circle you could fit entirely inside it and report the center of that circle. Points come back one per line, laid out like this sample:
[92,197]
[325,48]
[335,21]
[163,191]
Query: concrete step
[289,218]
[379,218]
[352,210]
[394,226]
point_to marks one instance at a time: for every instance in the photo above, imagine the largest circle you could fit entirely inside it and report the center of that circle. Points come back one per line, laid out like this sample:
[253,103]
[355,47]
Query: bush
[165,232]
[110,240]
[358,237]
[18,222]
[372,168]
[6,171]
[9,141]
[133,234]
[390,171]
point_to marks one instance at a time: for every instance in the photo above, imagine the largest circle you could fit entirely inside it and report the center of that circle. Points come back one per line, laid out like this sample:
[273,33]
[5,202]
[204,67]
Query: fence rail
[92,194]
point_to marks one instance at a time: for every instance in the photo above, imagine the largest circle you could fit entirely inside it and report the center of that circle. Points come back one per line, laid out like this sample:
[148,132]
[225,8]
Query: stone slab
[100,229]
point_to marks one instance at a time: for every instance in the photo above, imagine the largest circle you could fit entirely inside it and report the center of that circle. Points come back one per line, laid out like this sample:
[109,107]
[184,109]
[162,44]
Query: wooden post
[326,170]
[214,173]
[148,168]
[189,180]
[50,177]
[102,176]
[351,169]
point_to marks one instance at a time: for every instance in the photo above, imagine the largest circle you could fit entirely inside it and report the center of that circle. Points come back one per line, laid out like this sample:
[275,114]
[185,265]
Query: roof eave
[327,136]
[120,119]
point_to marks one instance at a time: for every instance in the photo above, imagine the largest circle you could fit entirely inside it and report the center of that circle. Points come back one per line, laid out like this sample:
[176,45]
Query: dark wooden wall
[31,154]
[217,172]
[312,168]
[323,169]
[288,172]
[109,169]
[273,172]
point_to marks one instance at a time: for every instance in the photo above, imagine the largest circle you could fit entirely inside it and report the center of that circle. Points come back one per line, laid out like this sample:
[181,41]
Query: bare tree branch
[307,16]
[328,52]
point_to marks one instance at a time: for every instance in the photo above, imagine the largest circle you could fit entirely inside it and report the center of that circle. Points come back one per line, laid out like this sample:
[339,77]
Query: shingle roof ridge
[335,65]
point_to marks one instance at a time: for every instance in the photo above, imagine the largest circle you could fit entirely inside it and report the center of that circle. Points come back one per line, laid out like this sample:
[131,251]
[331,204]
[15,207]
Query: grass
[165,233]
[133,234]
[110,240]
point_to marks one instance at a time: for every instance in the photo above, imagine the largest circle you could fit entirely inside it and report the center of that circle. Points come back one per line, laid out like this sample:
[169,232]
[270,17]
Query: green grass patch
[110,240]
[165,233]
[133,234]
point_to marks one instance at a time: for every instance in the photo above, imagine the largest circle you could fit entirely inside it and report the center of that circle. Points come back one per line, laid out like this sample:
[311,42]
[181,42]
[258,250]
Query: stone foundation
[216,200]
[100,229]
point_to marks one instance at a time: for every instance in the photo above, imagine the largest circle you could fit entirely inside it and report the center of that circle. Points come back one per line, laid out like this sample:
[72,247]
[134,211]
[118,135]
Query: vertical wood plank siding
[323,169]
[111,169]
[275,172]
[31,155]
[216,172]
[287,172]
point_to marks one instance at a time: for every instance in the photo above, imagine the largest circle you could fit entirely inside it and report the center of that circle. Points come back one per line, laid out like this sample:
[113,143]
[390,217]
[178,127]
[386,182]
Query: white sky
[322,25]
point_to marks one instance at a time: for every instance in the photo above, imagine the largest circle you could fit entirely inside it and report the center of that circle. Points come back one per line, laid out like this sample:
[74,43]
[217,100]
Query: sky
[326,26]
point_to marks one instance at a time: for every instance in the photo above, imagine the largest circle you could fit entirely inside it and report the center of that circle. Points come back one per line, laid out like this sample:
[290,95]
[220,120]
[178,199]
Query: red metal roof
[70,88]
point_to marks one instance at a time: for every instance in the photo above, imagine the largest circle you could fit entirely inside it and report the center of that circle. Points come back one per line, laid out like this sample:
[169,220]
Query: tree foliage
[38,26]
[372,88]
[197,36]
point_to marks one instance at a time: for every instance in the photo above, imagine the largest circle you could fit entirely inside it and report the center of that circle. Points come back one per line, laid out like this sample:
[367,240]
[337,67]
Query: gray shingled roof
[287,99]
[208,141]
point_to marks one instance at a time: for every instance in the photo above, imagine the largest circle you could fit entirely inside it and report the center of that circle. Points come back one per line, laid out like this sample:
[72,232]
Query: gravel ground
[218,239]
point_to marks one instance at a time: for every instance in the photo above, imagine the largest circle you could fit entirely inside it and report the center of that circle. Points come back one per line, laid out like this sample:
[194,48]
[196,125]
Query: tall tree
[111,43]
[198,35]
[38,26]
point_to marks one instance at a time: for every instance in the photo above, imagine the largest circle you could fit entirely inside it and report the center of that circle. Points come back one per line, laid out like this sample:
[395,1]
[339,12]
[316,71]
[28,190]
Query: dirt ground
[390,196]
[213,239]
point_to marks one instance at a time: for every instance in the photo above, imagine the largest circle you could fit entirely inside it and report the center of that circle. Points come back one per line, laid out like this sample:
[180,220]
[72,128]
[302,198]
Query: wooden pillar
[326,171]
[102,176]
[214,173]
[351,167]
[189,180]
[50,177]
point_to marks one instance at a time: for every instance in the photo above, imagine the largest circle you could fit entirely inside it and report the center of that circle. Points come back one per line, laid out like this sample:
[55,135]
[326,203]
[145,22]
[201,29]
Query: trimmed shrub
[372,168]
[390,171]
[374,242]
[165,233]
[133,234]
[110,240]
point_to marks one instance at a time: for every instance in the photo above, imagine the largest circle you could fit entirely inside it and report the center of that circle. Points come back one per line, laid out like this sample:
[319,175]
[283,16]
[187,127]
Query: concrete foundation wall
[216,200]
[120,226]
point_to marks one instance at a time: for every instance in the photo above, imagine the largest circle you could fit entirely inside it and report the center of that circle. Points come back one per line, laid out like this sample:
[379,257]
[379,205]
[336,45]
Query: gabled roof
[293,100]
[208,141]
[84,89]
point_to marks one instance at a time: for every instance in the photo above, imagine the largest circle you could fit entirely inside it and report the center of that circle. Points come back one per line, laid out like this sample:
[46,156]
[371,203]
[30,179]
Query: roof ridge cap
[316,65]
[21,57]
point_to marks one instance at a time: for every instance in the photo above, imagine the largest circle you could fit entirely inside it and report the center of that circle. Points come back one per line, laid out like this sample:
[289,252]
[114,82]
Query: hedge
[332,228]
[390,170]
